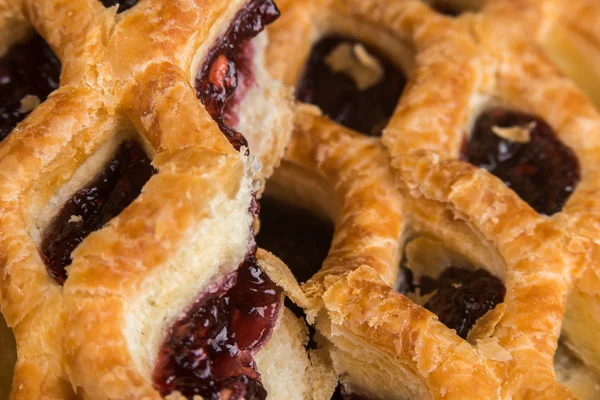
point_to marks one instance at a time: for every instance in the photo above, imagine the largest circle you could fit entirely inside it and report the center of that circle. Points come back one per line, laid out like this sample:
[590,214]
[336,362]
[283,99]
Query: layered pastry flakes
[299,199]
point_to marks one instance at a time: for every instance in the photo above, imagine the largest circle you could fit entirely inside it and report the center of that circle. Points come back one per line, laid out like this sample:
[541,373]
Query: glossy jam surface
[29,68]
[117,185]
[542,171]
[337,94]
[462,296]
[229,66]
[123,4]
[300,238]
[210,351]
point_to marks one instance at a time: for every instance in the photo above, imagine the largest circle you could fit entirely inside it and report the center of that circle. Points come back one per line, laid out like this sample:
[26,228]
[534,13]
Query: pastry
[473,95]
[128,198]
[436,199]
[552,147]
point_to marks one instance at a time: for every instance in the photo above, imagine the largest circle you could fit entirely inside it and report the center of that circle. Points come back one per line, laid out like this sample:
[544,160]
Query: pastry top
[458,69]
[363,200]
[472,213]
[125,77]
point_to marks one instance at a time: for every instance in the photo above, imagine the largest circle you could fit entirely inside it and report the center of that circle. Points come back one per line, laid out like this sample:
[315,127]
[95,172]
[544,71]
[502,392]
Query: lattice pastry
[487,275]
[129,267]
[127,200]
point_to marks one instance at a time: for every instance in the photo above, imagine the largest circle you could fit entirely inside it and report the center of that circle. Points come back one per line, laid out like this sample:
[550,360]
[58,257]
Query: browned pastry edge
[365,205]
[434,106]
[566,33]
[110,85]
[507,355]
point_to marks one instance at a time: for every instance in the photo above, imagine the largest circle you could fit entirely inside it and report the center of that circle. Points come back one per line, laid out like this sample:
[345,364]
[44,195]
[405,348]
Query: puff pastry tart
[129,267]
[515,86]
[471,94]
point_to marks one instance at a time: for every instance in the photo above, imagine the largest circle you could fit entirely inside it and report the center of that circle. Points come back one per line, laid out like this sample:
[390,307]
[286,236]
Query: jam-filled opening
[209,352]
[90,208]
[228,72]
[352,82]
[300,238]
[522,150]
[123,4]
[29,72]
[454,289]
[8,358]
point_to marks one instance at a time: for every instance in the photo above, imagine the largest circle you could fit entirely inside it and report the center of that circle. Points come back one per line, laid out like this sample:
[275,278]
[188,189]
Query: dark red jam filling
[90,208]
[29,68]
[543,171]
[229,67]
[336,93]
[123,4]
[210,351]
[300,238]
[463,296]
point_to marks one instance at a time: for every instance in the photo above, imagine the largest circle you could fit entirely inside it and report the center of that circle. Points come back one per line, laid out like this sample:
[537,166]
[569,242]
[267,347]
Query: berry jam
[90,208]
[229,66]
[367,111]
[542,171]
[30,68]
[123,4]
[301,239]
[209,352]
[462,297]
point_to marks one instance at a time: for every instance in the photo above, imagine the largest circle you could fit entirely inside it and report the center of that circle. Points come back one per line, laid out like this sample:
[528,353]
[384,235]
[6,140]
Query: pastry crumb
[75,218]
[519,134]
[355,61]
[28,103]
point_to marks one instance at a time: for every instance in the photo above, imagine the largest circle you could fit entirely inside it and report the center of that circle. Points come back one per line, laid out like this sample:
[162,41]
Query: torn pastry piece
[119,193]
[236,88]
[483,266]
[351,63]
[192,313]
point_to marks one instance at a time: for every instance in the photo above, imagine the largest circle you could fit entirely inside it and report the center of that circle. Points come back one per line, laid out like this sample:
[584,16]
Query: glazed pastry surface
[422,176]
[479,90]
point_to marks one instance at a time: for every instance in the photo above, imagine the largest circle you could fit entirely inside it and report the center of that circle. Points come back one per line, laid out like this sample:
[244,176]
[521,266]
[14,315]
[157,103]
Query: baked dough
[130,76]
[457,67]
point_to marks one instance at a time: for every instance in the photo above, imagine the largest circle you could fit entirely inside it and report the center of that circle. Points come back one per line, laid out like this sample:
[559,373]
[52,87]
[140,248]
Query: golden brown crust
[566,33]
[368,222]
[457,67]
[473,213]
[84,337]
